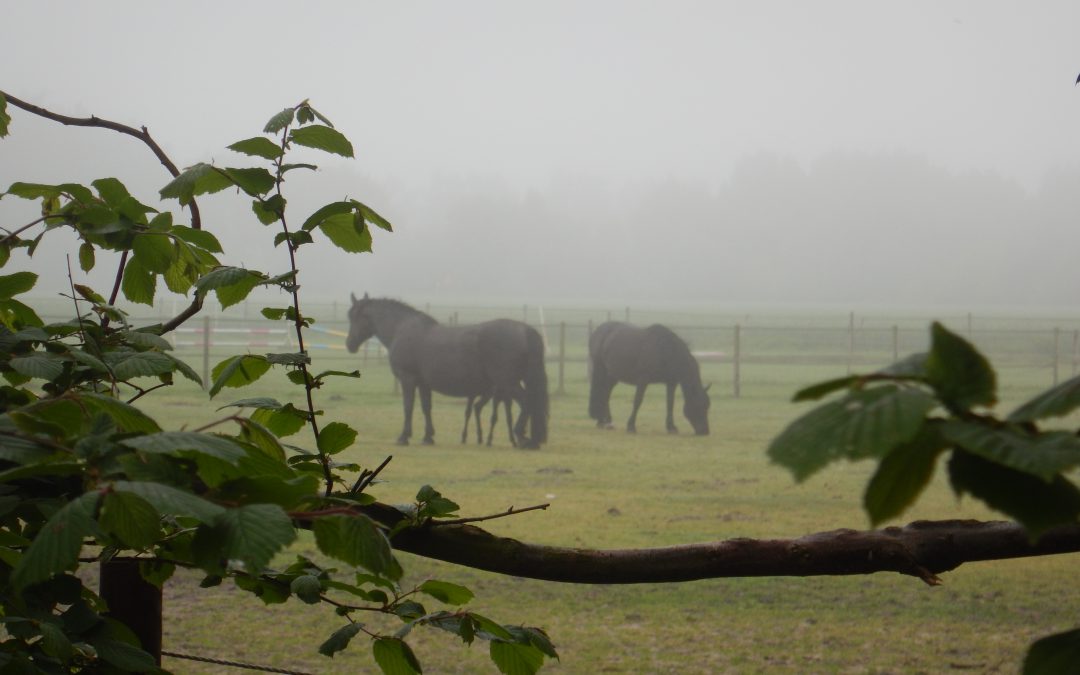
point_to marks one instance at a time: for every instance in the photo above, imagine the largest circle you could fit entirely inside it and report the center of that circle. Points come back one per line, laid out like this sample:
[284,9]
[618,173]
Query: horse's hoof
[402,441]
[631,430]
[673,430]
[428,441]
[528,445]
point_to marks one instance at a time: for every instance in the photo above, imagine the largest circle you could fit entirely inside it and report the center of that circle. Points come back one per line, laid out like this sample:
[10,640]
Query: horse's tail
[536,387]
[598,407]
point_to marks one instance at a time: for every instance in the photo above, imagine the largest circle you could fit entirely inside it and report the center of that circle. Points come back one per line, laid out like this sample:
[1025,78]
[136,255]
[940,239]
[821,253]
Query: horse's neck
[690,378]
[386,327]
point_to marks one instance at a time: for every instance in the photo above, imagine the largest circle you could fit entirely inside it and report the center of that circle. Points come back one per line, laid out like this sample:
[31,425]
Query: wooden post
[735,355]
[1057,341]
[851,341]
[562,356]
[588,356]
[206,351]
[133,601]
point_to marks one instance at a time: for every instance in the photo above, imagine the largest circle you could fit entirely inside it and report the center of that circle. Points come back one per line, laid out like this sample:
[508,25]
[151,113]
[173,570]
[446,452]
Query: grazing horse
[621,352]
[504,358]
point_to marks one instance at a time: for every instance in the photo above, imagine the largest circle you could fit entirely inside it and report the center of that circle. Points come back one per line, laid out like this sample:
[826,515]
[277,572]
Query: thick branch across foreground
[921,549]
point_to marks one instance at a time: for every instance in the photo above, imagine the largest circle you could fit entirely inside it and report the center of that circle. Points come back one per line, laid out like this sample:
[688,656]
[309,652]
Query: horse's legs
[671,428]
[425,406]
[509,422]
[468,415]
[494,419]
[479,425]
[639,396]
[408,398]
[606,387]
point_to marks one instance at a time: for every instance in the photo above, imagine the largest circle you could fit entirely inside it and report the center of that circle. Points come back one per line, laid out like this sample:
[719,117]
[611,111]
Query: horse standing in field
[503,358]
[476,404]
[621,352]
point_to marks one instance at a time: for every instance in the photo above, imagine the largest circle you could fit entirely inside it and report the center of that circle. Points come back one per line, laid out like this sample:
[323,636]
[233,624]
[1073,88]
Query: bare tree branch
[922,549]
[142,134]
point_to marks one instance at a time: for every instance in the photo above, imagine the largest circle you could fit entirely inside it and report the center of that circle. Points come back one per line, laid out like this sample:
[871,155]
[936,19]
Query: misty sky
[632,152]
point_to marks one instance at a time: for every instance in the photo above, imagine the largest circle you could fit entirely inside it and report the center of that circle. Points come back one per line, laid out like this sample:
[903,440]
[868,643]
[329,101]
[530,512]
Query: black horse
[503,358]
[641,356]
[475,404]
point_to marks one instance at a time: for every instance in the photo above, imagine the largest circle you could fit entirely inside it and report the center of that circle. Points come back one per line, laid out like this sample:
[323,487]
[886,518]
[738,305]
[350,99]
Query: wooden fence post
[735,360]
[133,601]
[562,356]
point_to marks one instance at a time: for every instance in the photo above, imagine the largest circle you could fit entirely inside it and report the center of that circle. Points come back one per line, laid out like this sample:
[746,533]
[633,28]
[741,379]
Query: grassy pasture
[610,489]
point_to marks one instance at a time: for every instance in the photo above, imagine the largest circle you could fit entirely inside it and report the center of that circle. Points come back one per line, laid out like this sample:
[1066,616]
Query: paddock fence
[736,350]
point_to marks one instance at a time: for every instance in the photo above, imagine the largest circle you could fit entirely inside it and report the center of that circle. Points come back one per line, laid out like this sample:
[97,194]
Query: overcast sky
[598,126]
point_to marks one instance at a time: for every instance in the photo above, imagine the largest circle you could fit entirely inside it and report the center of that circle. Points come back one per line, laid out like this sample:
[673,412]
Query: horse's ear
[352,297]
[365,295]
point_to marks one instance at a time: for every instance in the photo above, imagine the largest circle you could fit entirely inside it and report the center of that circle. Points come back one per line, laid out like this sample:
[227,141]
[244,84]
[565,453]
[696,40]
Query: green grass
[610,489]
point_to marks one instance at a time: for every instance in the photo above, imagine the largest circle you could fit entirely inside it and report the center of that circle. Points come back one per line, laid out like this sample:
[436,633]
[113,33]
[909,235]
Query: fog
[640,153]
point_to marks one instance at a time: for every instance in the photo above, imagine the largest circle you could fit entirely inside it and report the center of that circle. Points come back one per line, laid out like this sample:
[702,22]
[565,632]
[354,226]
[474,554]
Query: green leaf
[127,657]
[1043,455]
[347,233]
[147,339]
[231,284]
[328,211]
[822,389]
[284,422]
[513,658]
[195,180]
[865,423]
[171,501]
[443,591]
[335,437]
[902,475]
[1054,402]
[322,138]
[54,642]
[374,218]
[56,547]
[269,210]
[201,238]
[126,366]
[39,364]
[14,284]
[139,284]
[5,118]
[259,146]
[1035,504]
[356,540]
[395,657]
[178,443]
[307,588]
[260,402]
[1054,655]
[279,121]
[255,182]
[131,519]
[961,375]
[340,639]
[252,534]
[154,250]
[238,371]
[126,417]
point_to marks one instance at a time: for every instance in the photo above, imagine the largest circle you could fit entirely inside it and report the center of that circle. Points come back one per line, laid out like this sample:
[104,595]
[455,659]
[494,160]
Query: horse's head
[361,324]
[696,410]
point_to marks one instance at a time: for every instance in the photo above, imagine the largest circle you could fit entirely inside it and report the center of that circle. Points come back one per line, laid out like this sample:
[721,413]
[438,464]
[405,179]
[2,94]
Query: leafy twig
[508,512]
[366,476]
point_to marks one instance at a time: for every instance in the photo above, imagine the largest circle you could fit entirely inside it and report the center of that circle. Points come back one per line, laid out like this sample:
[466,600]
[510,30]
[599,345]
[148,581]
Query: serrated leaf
[201,238]
[139,284]
[252,534]
[395,657]
[144,338]
[54,642]
[126,416]
[822,389]
[294,359]
[154,251]
[961,375]
[39,364]
[335,437]
[253,181]
[1054,655]
[322,138]
[443,591]
[260,402]
[347,233]
[181,442]
[865,423]
[284,422]
[1043,455]
[513,658]
[1034,503]
[307,588]
[231,284]
[238,371]
[14,284]
[356,540]
[258,146]
[86,256]
[340,639]
[374,218]
[5,118]
[171,501]
[56,547]
[131,519]
[126,366]
[195,180]
[184,369]
[127,657]
[279,121]
[1054,402]
[902,475]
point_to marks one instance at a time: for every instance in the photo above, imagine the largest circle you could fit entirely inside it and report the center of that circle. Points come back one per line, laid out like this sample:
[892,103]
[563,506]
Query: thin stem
[367,476]
[22,229]
[508,512]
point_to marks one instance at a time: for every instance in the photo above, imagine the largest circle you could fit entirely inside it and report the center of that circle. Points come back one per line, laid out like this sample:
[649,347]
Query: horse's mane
[398,304]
